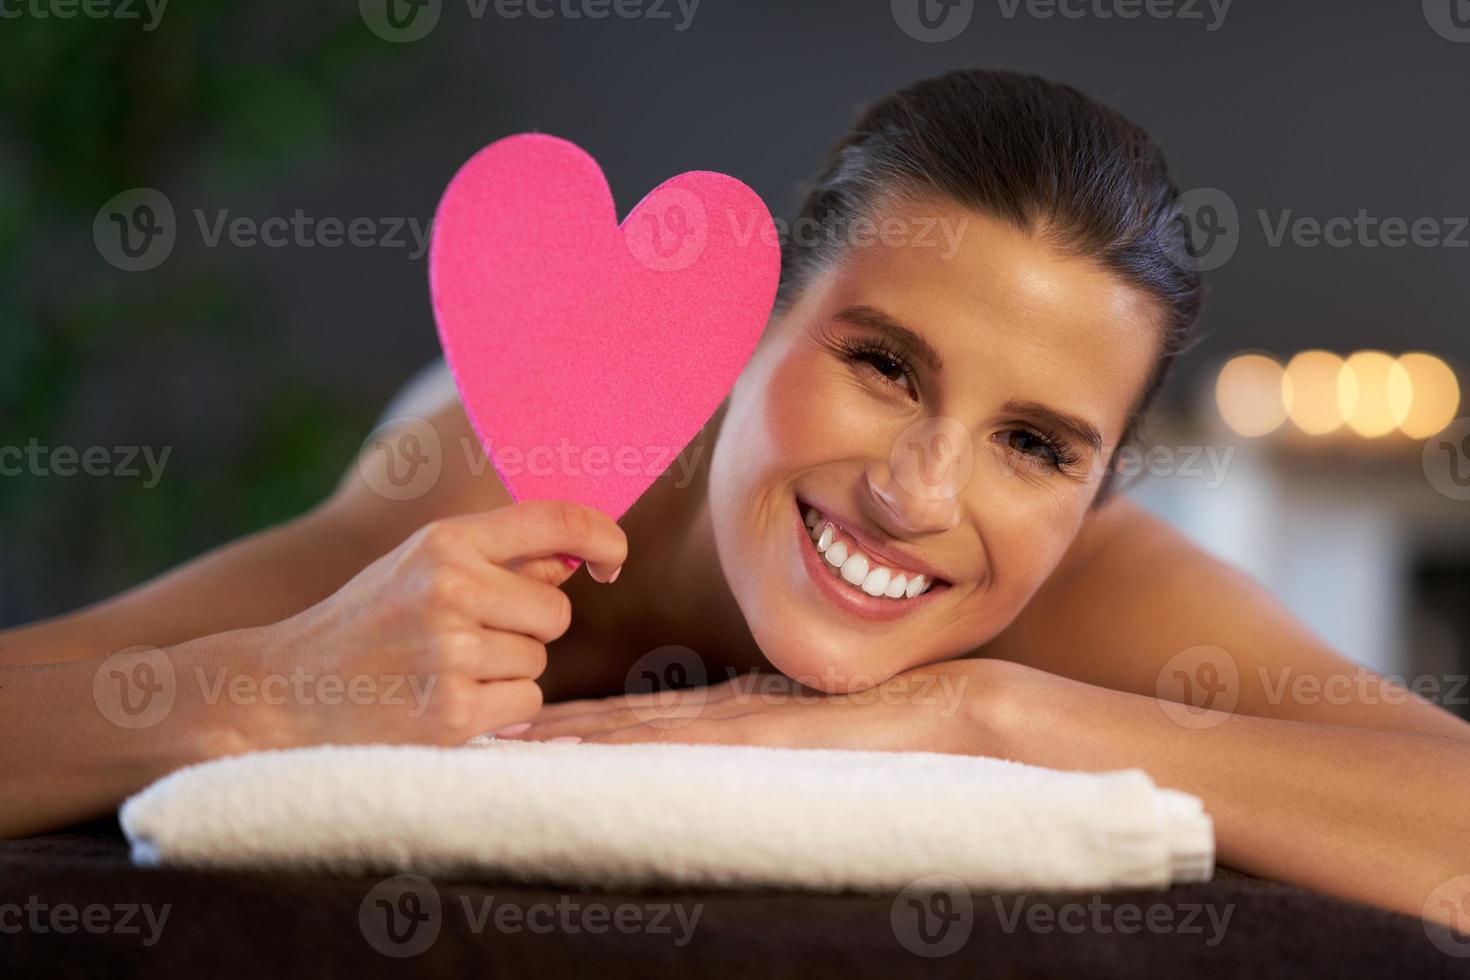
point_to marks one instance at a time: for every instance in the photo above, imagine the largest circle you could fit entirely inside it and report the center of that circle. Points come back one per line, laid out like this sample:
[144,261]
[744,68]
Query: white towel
[632,815]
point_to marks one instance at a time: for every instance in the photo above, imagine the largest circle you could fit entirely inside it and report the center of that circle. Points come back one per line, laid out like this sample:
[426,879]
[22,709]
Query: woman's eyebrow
[876,319]
[1079,428]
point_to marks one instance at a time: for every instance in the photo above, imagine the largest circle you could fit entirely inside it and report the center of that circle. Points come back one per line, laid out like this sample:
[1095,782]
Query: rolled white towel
[629,815]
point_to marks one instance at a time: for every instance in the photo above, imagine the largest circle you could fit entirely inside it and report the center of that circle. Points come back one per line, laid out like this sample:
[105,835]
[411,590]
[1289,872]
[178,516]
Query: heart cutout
[589,354]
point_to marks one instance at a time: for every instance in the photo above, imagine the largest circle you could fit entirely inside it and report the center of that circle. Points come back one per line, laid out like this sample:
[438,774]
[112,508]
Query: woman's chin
[829,674]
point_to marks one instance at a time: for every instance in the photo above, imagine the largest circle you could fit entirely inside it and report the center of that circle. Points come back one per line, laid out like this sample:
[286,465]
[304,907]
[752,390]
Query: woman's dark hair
[1024,149]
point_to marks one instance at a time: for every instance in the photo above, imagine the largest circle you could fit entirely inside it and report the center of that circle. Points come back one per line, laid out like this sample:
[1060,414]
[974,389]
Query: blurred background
[1323,146]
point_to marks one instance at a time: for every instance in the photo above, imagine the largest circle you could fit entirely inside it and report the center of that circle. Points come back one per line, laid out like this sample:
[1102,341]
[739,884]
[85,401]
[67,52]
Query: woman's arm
[268,576]
[438,640]
[1137,607]
[1381,817]
[1144,652]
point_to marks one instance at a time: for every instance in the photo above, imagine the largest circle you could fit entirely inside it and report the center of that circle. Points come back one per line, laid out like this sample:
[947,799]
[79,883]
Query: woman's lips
[842,590]
[883,555]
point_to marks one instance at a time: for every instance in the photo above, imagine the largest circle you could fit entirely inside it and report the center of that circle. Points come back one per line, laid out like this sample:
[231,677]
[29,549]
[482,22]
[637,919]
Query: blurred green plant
[89,107]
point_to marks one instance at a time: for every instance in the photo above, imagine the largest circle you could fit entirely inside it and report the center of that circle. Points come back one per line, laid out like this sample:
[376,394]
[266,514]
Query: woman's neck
[672,591]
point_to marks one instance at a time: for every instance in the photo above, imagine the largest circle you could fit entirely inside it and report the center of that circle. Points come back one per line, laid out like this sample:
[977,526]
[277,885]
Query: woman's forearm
[77,738]
[251,582]
[1379,817]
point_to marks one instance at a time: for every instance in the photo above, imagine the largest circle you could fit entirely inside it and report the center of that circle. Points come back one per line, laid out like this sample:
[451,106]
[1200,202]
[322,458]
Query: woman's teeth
[857,569]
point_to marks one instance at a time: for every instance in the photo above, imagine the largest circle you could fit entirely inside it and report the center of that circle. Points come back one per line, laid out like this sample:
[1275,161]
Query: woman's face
[948,407]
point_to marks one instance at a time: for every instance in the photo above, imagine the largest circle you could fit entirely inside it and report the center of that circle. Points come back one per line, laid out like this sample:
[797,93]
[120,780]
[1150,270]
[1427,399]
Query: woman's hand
[437,641]
[938,708]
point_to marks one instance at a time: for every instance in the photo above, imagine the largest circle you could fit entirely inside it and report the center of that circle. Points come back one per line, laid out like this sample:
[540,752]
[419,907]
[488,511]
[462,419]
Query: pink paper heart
[588,355]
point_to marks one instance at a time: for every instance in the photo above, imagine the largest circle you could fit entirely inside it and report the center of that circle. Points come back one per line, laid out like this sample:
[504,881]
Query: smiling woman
[908,482]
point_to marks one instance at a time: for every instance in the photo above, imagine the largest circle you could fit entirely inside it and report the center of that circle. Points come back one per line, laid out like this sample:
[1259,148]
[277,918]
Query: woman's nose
[912,509]
[929,465]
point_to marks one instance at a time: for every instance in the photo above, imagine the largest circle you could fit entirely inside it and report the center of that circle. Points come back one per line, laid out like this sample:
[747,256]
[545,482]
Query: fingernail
[565,739]
[516,729]
[614,576]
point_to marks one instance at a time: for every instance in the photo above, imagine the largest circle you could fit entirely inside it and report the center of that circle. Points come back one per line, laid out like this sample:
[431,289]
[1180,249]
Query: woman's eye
[892,370]
[1031,444]
[886,366]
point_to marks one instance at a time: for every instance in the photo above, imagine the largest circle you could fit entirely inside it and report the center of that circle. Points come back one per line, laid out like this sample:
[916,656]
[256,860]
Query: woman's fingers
[511,656]
[714,694]
[497,599]
[605,721]
[702,732]
[522,535]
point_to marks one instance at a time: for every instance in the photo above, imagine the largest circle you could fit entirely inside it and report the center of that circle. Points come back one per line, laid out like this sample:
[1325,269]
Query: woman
[982,595]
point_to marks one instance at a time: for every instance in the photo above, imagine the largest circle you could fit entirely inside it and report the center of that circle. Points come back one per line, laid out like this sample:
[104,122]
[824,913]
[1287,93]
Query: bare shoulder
[417,470]
[1134,599]
[1133,592]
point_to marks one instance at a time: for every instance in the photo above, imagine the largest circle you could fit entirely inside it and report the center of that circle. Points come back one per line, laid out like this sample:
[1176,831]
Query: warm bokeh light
[1249,395]
[1315,401]
[1436,395]
[1374,393]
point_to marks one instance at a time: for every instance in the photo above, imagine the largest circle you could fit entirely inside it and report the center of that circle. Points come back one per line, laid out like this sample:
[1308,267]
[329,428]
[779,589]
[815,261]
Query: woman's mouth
[846,572]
